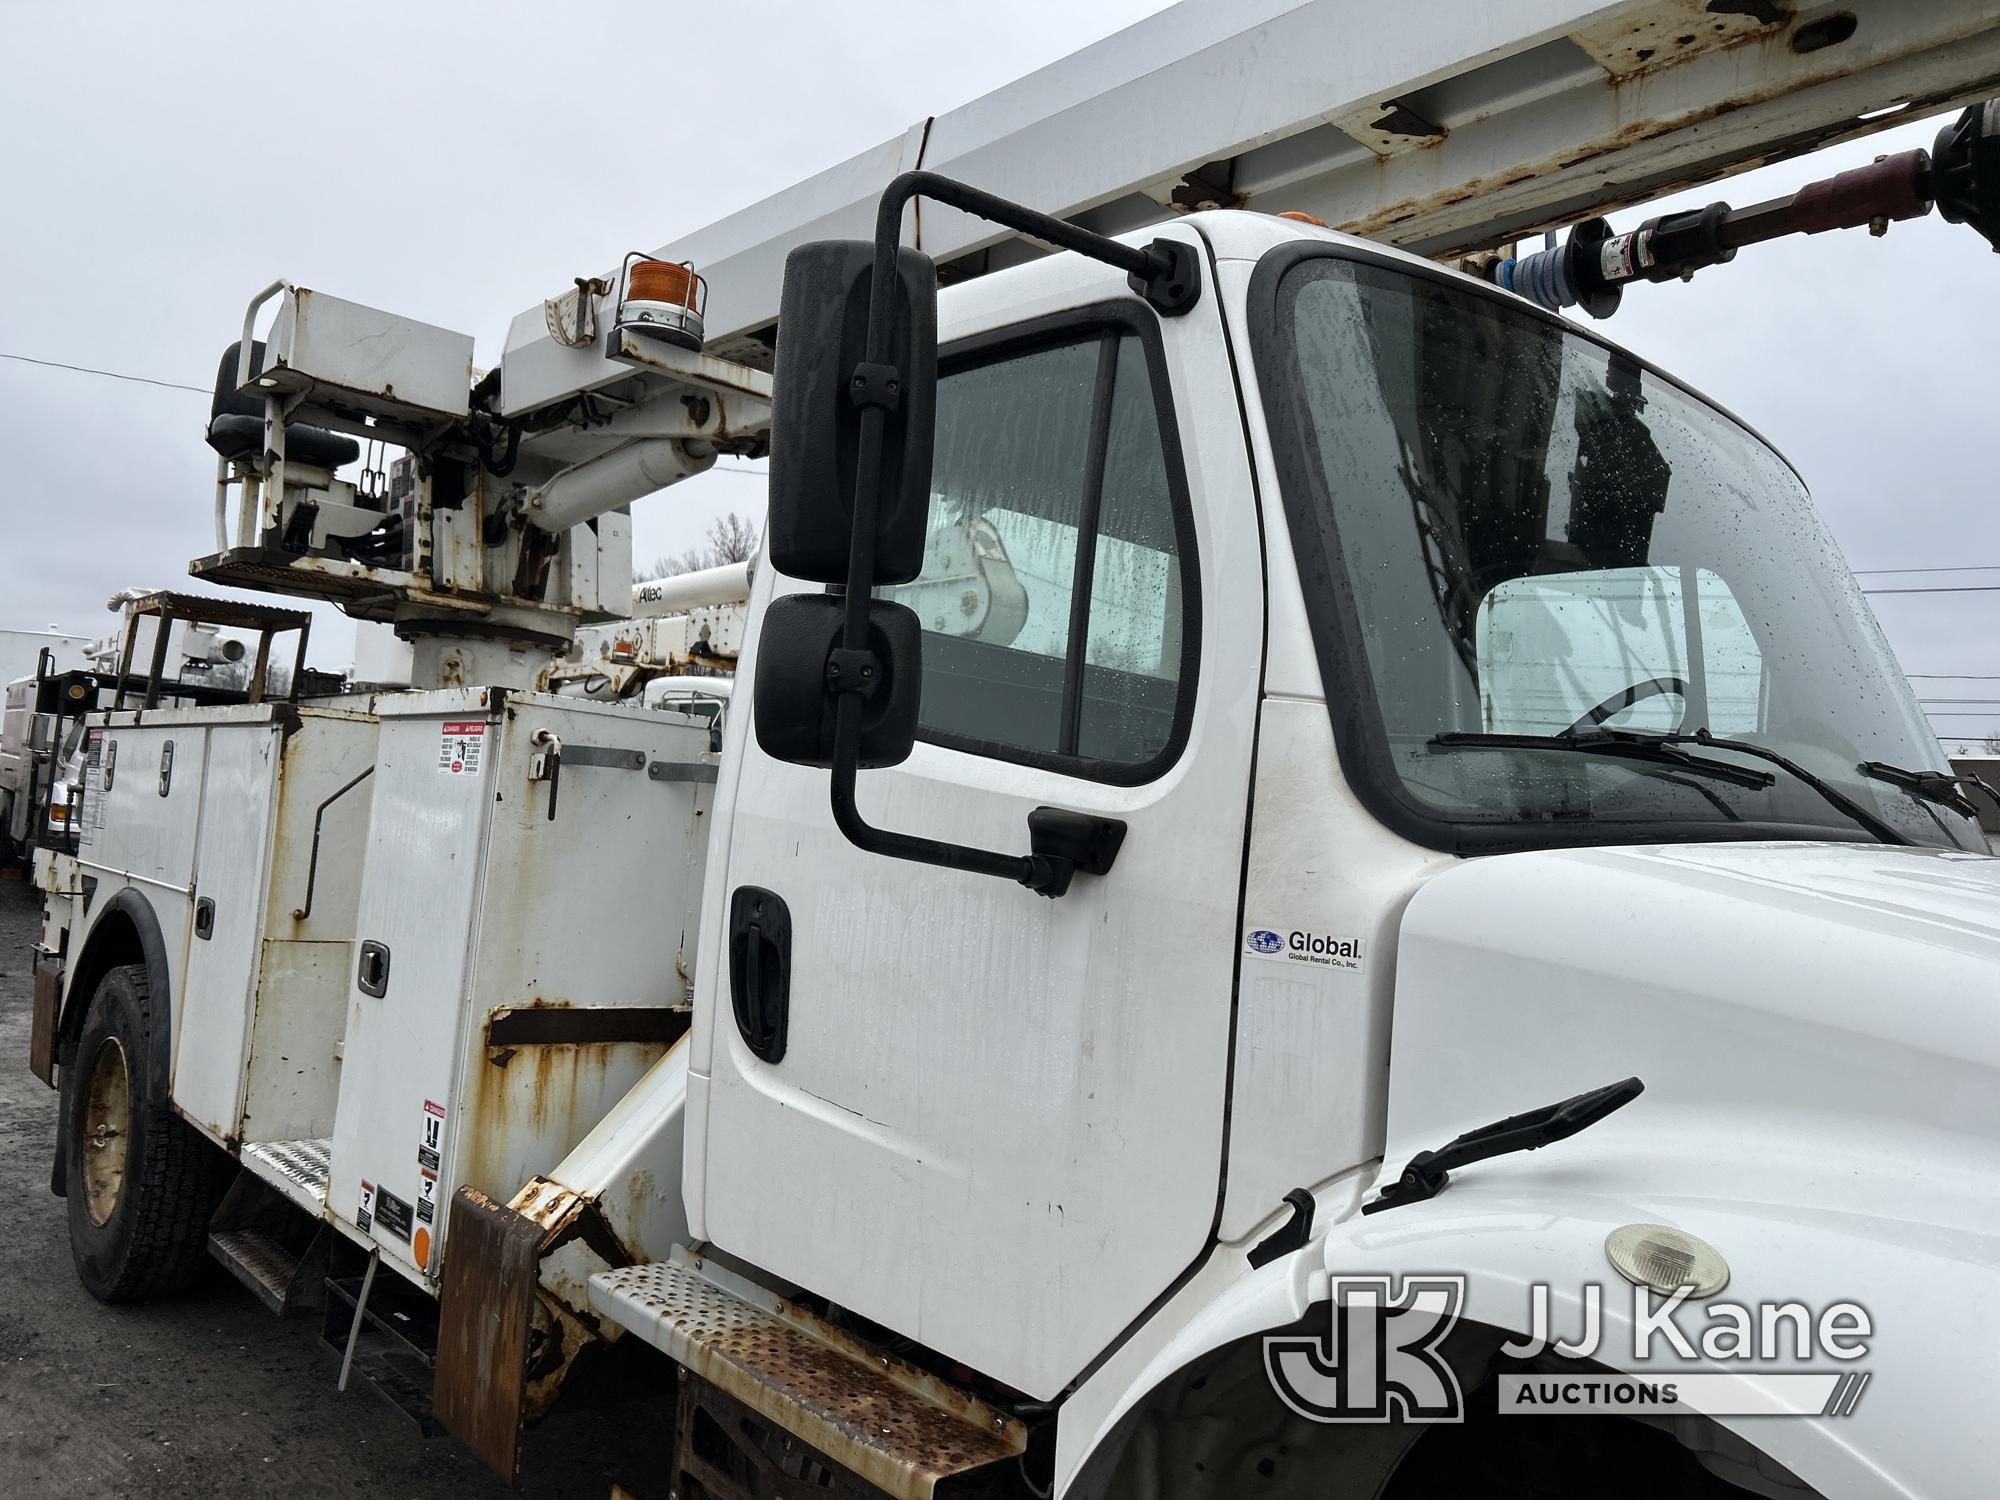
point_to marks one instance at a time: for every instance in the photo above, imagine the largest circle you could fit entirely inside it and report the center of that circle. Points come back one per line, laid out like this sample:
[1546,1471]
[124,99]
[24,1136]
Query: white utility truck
[1232,707]
[70,676]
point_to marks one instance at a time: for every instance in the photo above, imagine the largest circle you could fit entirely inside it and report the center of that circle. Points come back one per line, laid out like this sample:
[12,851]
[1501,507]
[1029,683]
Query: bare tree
[1992,744]
[731,539]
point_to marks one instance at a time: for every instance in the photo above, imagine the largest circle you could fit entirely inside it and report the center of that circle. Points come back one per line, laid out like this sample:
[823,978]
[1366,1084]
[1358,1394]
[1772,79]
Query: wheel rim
[107,1129]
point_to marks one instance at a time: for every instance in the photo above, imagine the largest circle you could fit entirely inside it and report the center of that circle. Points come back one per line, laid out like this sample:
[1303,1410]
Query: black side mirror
[796,696]
[839,677]
[819,390]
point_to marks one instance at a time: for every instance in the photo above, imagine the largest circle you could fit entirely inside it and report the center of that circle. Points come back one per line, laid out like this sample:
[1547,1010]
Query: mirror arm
[1049,874]
[1165,272]
[1166,275]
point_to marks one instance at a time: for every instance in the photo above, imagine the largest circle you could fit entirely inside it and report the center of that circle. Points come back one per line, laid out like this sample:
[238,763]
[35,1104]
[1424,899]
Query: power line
[56,364]
[1968,568]
[175,385]
[749,473]
[1942,588]
[1957,676]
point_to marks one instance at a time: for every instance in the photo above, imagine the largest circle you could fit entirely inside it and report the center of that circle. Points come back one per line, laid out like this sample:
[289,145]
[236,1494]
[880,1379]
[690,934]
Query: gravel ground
[207,1394]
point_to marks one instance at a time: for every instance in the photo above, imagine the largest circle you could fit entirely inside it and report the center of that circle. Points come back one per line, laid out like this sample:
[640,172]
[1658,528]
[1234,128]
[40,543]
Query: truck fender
[1506,1237]
[124,930]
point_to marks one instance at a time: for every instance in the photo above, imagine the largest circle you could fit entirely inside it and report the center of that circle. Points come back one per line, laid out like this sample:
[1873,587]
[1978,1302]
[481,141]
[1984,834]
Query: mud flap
[485,1308]
[42,1034]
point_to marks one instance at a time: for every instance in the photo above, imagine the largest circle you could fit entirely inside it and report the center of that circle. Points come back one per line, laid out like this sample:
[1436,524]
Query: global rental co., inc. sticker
[1301,946]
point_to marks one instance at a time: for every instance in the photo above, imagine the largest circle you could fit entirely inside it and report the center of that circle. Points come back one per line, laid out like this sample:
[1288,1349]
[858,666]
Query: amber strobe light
[660,281]
[663,300]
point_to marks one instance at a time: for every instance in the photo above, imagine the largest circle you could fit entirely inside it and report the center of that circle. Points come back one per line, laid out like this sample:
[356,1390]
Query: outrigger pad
[488,1298]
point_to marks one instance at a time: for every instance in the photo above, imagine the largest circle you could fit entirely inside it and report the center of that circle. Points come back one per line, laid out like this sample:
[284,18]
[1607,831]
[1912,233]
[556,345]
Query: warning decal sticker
[430,1143]
[427,1190]
[460,746]
[365,1219]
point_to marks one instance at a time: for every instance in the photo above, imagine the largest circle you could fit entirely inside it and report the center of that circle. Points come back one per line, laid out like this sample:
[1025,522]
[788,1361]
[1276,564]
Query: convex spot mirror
[794,702]
[816,419]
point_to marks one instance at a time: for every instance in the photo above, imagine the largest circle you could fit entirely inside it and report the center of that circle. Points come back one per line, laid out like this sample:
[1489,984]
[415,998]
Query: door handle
[204,918]
[372,975]
[760,969]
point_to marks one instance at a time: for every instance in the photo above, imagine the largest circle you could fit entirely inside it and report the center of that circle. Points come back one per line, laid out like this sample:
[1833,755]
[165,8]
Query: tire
[138,1220]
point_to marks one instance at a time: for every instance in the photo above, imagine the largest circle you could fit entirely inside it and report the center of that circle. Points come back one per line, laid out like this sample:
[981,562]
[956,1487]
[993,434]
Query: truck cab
[1471,695]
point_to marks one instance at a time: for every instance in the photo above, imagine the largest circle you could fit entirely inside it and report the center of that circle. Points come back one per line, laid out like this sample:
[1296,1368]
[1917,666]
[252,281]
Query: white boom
[1453,132]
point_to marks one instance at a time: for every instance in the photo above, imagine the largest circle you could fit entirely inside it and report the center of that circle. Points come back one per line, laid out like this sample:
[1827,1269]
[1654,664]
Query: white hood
[1818,1027]
[1858,979]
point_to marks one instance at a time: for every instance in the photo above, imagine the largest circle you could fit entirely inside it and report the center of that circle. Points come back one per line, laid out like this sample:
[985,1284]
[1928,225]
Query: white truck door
[997,1123]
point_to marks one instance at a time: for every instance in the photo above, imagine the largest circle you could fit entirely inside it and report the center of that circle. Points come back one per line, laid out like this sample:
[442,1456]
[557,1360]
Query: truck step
[263,1239]
[395,1351]
[297,1169]
[280,1277]
[890,1424]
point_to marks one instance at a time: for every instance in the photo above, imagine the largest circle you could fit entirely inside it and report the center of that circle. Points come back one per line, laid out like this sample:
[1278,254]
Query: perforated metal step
[895,1426]
[297,1169]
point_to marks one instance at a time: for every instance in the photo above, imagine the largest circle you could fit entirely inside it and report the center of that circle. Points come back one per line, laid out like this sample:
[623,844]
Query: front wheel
[140,1182]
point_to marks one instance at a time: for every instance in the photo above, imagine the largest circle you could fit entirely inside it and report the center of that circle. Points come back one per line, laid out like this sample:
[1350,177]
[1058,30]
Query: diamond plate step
[895,1426]
[297,1169]
[264,1264]
[270,1244]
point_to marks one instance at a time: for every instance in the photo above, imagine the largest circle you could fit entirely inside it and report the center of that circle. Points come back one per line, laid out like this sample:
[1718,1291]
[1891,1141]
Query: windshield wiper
[1941,787]
[1636,744]
[1886,832]
[1608,742]
[1429,1171]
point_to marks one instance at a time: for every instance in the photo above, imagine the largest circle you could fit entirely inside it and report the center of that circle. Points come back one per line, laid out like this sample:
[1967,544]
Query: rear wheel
[140,1182]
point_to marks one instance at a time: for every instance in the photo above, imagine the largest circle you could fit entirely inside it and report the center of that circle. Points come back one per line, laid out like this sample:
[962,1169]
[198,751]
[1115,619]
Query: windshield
[1506,529]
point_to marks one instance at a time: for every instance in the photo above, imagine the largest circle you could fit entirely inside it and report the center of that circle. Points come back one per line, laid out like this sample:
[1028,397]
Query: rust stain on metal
[42,1031]
[1784,68]
[895,1425]
[639,1189]
[485,1307]
[558,1023]
[570,1221]
[1673,32]
[755,1452]
[1382,223]
[546,1093]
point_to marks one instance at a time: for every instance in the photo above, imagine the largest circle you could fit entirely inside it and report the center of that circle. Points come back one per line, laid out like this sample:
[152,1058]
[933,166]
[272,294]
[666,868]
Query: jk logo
[1379,1360]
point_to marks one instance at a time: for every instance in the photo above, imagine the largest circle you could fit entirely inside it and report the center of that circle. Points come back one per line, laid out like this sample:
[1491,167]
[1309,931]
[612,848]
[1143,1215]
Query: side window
[1051,596]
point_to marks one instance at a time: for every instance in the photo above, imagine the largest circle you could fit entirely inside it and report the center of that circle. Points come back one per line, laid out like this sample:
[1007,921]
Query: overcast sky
[457,163]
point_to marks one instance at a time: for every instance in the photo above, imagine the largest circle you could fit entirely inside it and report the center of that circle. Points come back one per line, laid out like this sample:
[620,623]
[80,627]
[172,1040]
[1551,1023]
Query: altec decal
[1300,945]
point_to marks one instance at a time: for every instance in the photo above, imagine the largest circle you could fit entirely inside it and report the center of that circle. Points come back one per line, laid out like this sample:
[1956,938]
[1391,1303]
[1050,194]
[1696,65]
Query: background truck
[71,676]
[21,651]
[1232,708]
